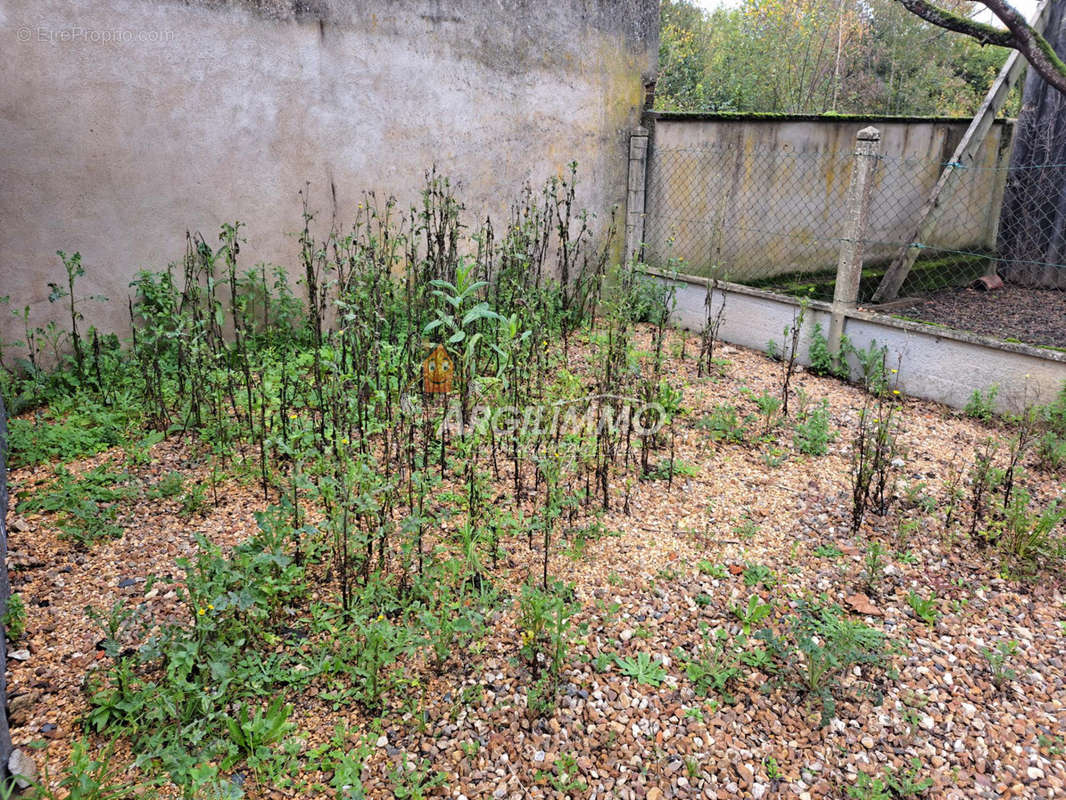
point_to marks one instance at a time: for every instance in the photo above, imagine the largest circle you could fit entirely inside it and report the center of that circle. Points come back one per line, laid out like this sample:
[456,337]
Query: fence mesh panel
[775,219]
[745,215]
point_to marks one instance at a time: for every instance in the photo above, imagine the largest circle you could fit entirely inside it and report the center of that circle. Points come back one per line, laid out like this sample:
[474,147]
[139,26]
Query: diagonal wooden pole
[962,158]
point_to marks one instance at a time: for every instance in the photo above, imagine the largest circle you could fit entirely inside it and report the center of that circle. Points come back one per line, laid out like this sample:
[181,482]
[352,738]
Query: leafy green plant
[982,405]
[546,633]
[769,407]
[874,378]
[915,496]
[924,608]
[773,769]
[254,732]
[817,645]
[415,781]
[642,668]
[1051,451]
[87,505]
[753,613]
[193,500]
[86,777]
[66,431]
[169,486]
[747,528]
[999,662]
[822,361]
[1026,535]
[715,666]
[1051,447]
[759,574]
[668,468]
[828,551]
[724,425]
[712,570]
[892,784]
[14,617]
[565,776]
[811,434]
[874,563]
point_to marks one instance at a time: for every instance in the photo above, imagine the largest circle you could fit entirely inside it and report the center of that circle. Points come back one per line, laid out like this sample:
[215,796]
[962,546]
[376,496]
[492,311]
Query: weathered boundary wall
[5,594]
[766,194]
[935,363]
[124,123]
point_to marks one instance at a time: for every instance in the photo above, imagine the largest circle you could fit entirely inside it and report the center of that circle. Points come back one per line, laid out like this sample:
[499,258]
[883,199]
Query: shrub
[872,451]
[822,361]
[811,434]
[982,405]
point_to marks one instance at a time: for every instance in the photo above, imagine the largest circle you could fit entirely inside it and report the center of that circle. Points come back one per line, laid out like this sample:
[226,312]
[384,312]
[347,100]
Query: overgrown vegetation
[391,515]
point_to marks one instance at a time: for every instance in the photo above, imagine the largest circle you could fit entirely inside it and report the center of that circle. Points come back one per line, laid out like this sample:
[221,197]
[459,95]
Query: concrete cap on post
[870,134]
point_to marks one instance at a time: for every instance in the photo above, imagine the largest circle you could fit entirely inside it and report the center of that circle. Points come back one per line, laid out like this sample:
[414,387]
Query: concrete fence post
[638,169]
[849,263]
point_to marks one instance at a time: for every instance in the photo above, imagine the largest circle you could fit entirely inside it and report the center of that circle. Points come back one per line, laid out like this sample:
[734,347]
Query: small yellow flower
[895,371]
[381,617]
[211,607]
[201,612]
[895,391]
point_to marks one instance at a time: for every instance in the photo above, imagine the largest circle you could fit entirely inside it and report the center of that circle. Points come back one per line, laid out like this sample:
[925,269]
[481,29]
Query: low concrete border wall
[936,363]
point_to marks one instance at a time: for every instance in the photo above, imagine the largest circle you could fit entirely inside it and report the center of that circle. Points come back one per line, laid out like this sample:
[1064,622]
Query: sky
[1025,6]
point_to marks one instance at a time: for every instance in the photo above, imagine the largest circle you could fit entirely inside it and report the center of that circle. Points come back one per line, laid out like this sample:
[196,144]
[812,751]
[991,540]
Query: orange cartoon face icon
[437,371]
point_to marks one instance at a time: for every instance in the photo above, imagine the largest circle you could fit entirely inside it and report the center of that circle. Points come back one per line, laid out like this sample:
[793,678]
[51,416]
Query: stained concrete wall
[765,195]
[123,123]
[934,363]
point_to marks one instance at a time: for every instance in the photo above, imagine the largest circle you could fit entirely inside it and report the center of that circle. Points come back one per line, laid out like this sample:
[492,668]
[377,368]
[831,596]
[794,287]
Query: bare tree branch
[1019,35]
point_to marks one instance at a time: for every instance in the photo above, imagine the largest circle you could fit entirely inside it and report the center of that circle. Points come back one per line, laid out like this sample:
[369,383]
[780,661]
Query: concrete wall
[768,192]
[123,123]
[935,363]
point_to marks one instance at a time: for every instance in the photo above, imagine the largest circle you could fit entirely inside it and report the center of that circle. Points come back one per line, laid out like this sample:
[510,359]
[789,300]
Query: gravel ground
[1033,316]
[642,591]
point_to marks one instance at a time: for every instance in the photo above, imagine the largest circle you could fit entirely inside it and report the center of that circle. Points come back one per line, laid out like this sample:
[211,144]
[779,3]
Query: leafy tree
[817,56]
[1018,35]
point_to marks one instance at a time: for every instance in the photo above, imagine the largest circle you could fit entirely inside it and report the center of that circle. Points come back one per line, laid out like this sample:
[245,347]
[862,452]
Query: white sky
[1027,7]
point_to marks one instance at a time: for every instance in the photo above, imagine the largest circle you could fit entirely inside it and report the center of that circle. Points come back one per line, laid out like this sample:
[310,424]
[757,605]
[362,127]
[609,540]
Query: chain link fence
[775,219]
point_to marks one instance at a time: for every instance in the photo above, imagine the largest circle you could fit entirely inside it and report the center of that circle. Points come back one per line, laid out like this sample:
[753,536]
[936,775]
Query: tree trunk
[1032,226]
